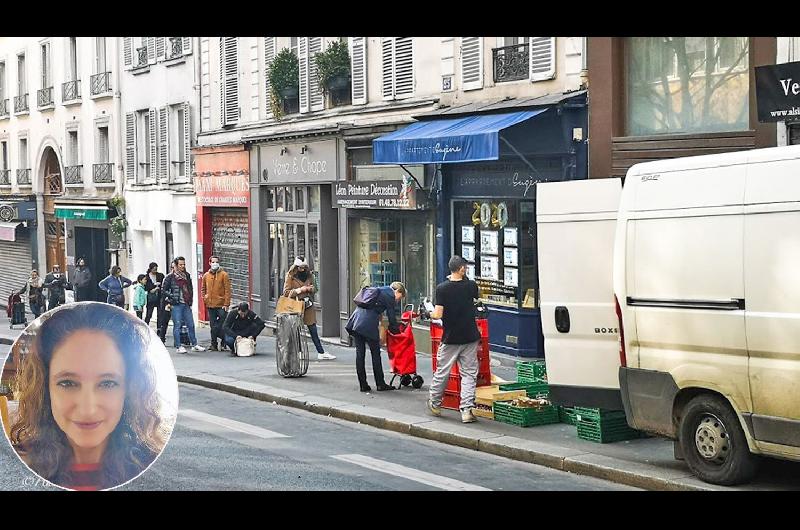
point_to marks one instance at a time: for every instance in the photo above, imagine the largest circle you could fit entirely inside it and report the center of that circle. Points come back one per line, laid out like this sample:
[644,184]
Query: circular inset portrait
[94,396]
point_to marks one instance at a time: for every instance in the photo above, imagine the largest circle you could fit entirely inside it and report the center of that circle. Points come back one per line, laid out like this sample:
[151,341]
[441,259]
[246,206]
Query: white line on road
[233,425]
[437,481]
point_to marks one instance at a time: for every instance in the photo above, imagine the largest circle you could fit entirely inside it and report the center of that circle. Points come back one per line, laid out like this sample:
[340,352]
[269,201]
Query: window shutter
[187,45]
[542,58]
[358,69]
[387,67]
[130,145]
[302,51]
[471,63]
[161,48]
[153,124]
[270,44]
[222,80]
[229,53]
[187,140]
[127,47]
[316,100]
[403,67]
[150,44]
[163,144]
[100,45]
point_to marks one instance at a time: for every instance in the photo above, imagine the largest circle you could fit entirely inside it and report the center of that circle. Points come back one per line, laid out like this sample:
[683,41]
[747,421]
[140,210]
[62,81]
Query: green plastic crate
[603,429]
[505,412]
[534,390]
[566,415]
[599,414]
[531,371]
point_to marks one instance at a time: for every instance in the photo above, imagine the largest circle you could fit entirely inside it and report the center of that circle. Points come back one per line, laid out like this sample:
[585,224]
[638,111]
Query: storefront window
[313,251]
[270,198]
[280,199]
[497,238]
[314,198]
[299,195]
[289,198]
[687,85]
[274,249]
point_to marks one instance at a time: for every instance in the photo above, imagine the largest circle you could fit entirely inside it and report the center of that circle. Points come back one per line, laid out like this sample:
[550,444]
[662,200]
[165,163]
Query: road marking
[233,425]
[437,481]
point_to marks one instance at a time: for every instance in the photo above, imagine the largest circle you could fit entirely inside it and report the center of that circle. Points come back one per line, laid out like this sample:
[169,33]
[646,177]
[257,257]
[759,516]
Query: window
[23,153]
[289,198]
[280,199]
[143,144]
[73,156]
[397,67]
[229,79]
[313,257]
[2,80]
[299,198]
[3,155]
[101,155]
[270,198]
[46,74]
[512,41]
[72,59]
[177,147]
[22,86]
[100,55]
[293,44]
[687,85]
[313,198]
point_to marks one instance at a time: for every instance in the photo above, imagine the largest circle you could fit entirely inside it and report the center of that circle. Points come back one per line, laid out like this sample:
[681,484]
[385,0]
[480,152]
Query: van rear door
[576,223]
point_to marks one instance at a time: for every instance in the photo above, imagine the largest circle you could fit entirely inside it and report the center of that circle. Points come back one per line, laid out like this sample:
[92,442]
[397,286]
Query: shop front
[487,168]
[292,215]
[222,188]
[17,242]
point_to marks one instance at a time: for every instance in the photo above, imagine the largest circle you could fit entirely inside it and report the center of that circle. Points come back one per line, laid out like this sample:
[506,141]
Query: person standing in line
[56,283]
[114,285]
[216,292]
[153,288]
[164,315]
[299,284]
[34,286]
[455,305]
[179,294]
[140,295]
[82,281]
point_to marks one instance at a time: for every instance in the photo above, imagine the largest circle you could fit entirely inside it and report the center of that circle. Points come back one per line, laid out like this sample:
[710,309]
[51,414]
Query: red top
[86,477]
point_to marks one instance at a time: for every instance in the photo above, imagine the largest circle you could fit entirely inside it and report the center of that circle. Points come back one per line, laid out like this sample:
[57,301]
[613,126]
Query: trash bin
[291,348]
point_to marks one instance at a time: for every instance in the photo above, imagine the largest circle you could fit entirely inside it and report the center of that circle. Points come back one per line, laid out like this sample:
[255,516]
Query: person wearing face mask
[299,285]
[216,291]
[56,283]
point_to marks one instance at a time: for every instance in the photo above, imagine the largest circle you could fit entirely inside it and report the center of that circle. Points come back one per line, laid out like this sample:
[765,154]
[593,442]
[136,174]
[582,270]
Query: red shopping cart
[403,352]
[16,310]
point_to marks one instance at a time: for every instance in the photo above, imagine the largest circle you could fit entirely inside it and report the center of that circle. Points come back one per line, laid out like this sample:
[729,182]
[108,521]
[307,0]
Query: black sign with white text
[778,92]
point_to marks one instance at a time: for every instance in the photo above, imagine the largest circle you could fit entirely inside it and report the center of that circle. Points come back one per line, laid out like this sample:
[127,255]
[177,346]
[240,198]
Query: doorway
[91,245]
[55,243]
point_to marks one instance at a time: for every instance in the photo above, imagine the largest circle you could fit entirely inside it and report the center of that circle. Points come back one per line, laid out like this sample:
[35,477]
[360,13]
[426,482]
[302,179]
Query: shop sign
[778,92]
[223,190]
[379,194]
[298,163]
[504,179]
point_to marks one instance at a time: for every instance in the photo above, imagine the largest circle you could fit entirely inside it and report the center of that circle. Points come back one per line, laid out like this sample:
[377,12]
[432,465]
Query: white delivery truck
[702,303]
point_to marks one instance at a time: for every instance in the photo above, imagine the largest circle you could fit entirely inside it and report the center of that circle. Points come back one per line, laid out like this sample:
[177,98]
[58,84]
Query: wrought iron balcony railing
[73,175]
[3,108]
[44,97]
[175,47]
[21,103]
[511,63]
[103,173]
[141,54]
[5,177]
[71,90]
[24,177]
[100,83]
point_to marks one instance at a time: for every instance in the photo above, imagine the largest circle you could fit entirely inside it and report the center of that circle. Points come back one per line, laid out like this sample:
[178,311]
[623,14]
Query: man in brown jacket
[216,291]
[299,284]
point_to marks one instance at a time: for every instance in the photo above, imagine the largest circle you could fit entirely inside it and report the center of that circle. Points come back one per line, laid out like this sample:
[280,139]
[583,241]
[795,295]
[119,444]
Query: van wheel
[713,443]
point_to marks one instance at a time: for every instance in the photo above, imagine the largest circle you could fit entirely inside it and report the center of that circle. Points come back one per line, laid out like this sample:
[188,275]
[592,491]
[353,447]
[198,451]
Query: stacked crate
[452,393]
[603,426]
[532,379]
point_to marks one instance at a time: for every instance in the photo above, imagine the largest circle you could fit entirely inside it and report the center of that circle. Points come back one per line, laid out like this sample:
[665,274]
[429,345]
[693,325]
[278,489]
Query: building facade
[59,164]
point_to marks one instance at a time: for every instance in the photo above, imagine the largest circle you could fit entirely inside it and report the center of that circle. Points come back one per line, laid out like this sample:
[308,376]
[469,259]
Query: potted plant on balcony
[284,80]
[333,67]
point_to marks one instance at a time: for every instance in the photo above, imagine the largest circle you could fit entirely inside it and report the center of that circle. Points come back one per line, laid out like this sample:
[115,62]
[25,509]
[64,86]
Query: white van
[706,282]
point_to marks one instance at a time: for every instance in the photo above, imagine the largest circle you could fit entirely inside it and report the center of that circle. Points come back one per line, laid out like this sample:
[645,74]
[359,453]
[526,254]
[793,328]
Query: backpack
[367,297]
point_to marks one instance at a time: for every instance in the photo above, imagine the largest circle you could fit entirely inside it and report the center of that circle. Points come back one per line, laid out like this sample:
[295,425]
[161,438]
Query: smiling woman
[92,414]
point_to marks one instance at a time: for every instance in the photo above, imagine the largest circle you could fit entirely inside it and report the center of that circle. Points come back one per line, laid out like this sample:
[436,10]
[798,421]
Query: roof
[502,105]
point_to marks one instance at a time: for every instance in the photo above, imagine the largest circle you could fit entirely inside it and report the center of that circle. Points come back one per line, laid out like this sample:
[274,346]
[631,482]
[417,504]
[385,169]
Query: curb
[544,456]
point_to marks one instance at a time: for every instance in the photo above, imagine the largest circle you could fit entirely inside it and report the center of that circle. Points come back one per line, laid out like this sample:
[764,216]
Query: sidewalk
[331,388]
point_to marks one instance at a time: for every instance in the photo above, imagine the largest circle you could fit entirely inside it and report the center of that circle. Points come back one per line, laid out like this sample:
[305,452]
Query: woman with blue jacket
[114,284]
[364,326]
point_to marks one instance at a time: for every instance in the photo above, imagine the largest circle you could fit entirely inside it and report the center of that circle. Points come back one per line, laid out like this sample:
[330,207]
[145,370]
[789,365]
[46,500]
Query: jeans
[138,313]
[36,309]
[182,314]
[466,355]
[361,352]
[216,317]
[230,342]
[312,329]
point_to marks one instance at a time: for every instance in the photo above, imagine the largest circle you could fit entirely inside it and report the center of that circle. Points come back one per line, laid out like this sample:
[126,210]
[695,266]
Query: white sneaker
[325,357]
[467,416]
[433,409]
[197,347]
[181,350]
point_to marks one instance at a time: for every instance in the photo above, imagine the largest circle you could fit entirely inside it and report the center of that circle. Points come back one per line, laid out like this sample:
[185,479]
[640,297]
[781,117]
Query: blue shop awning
[467,139]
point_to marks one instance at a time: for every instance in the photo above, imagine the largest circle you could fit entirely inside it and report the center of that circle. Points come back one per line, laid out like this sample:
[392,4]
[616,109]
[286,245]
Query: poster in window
[511,278]
[510,256]
[490,267]
[510,236]
[467,234]
[489,242]
[468,252]
[471,271]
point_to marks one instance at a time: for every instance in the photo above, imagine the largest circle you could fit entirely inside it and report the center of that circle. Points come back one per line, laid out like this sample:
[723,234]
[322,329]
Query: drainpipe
[120,122]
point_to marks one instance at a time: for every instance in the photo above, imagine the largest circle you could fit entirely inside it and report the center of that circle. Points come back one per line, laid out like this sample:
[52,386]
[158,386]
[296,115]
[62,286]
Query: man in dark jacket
[241,323]
[56,283]
[364,326]
[179,294]
[82,280]
[153,288]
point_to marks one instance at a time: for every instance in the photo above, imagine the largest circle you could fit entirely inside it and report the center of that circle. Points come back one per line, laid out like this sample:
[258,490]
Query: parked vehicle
[707,297]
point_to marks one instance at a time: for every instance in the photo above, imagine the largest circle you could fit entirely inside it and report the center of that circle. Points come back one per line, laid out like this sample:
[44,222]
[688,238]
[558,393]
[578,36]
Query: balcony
[511,63]
[71,91]
[44,98]
[3,108]
[175,49]
[21,104]
[24,177]
[103,173]
[73,175]
[141,55]
[5,177]
[100,84]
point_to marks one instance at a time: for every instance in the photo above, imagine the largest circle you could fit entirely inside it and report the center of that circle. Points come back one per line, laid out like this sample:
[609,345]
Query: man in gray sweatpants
[455,299]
